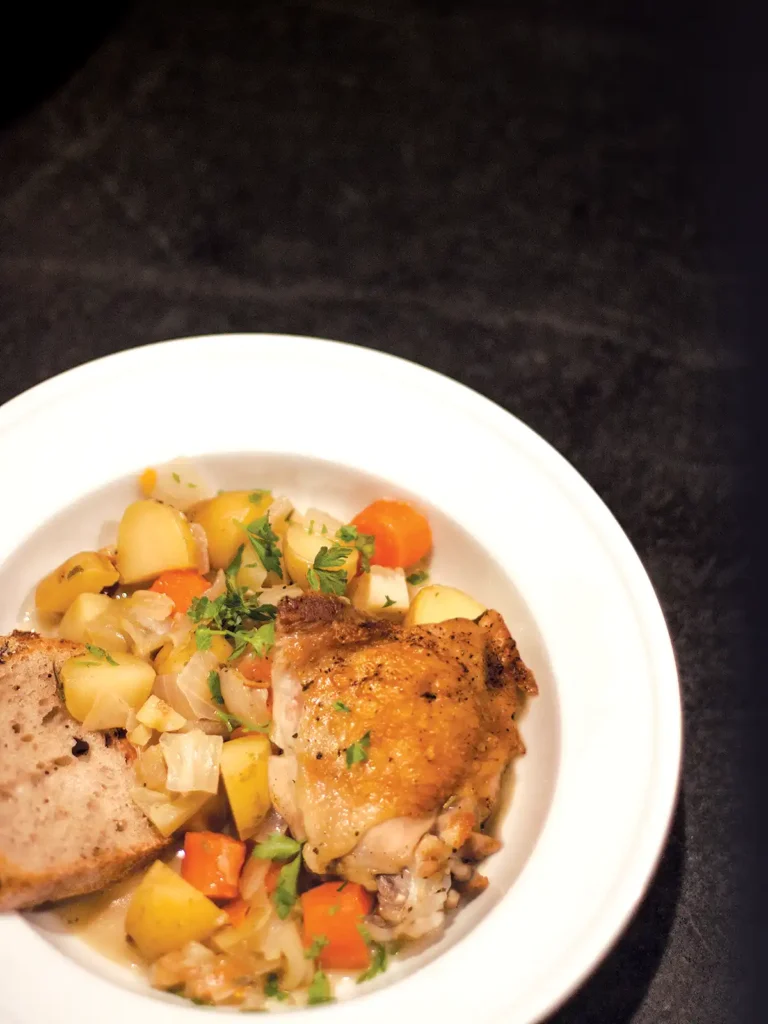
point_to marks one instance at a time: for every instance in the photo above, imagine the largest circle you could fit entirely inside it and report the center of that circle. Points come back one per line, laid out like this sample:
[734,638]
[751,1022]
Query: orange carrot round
[212,863]
[402,534]
[182,586]
[334,911]
[256,671]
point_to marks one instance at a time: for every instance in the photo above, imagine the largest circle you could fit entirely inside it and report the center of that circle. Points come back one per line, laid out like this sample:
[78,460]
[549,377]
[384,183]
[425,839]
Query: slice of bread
[67,822]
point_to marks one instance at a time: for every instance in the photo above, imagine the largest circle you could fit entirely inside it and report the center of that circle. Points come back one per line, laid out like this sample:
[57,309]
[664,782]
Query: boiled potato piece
[81,614]
[170,659]
[86,573]
[86,676]
[154,713]
[437,604]
[166,913]
[244,763]
[223,519]
[152,538]
[302,547]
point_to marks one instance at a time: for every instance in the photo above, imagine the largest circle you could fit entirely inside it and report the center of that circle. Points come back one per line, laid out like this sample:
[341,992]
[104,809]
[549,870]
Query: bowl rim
[661,795]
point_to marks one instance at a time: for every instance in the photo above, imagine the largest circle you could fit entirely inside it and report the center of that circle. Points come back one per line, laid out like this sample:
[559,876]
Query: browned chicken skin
[433,707]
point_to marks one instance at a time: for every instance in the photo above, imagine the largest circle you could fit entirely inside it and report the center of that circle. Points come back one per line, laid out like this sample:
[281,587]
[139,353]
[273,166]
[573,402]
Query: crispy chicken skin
[436,704]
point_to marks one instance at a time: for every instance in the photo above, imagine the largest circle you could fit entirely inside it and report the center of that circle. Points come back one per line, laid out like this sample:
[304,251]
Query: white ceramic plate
[514,524]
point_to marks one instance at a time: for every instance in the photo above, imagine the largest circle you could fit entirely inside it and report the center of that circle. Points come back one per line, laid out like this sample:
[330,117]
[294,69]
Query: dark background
[520,195]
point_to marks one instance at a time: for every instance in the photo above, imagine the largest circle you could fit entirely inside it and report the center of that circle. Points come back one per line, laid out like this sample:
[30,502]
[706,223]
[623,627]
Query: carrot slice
[334,911]
[212,863]
[237,911]
[402,534]
[147,482]
[255,670]
[182,586]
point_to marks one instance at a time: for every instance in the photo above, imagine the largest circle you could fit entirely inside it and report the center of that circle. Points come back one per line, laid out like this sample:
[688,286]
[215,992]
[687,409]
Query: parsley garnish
[420,576]
[284,895]
[319,990]
[364,542]
[388,602]
[214,685]
[358,752]
[231,614]
[378,958]
[256,496]
[343,886]
[264,542]
[333,911]
[99,652]
[339,705]
[74,571]
[176,477]
[277,847]
[318,945]
[272,989]
[311,526]
[326,573]
[190,484]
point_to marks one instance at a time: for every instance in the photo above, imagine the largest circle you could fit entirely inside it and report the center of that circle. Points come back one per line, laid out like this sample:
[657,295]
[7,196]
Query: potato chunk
[166,913]
[244,764]
[87,676]
[86,573]
[152,538]
[437,604]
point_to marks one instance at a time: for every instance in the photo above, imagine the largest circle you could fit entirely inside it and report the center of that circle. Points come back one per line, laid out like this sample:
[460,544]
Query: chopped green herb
[262,640]
[284,895]
[289,517]
[364,932]
[318,945]
[190,484]
[74,571]
[339,705]
[378,961]
[319,990]
[347,533]
[257,496]
[358,752]
[176,477]
[277,847]
[388,602]
[364,542]
[264,542]
[214,685]
[333,911]
[418,577]
[234,566]
[272,989]
[311,526]
[343,886]
[99,652]
[203,638]
[326,573]
[324,529]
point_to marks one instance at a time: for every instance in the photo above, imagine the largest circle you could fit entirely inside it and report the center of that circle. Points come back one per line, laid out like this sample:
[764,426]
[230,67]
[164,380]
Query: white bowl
[336,426]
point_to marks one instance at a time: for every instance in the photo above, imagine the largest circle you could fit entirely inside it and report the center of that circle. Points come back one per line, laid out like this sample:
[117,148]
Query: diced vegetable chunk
[151,539]
[212,863]
[382,592]
[166,913]
[224,517]
[86,573]
[155,713]
[438,604]
[85,677]
[402,534]
[335,910]
[182,586]
[244,764]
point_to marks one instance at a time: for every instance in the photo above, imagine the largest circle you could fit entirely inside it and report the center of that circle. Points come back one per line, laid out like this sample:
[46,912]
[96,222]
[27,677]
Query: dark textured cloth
[501,192]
